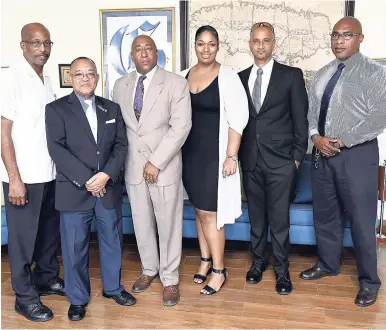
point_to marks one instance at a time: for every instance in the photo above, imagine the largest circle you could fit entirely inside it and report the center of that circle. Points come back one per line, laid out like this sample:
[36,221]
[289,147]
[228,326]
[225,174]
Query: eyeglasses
[265,24]
[38,43]
[346,36]
[80,76]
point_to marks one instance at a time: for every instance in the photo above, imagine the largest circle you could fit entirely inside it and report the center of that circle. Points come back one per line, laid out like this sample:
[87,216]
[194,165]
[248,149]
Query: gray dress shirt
[357,109]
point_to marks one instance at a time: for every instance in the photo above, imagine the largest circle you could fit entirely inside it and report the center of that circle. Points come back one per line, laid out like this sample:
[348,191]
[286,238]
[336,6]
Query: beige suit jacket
[163,126]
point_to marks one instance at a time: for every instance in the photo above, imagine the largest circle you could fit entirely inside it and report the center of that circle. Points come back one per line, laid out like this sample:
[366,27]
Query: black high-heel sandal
[209,290]
[200,277]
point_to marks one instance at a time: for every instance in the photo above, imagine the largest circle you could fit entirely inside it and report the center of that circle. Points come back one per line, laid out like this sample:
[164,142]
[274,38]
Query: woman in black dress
[201,158]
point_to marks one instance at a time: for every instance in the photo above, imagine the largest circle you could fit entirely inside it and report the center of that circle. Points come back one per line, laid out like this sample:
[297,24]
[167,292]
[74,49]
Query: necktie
[92,118]
[256,93]
[326,99]
[138,98]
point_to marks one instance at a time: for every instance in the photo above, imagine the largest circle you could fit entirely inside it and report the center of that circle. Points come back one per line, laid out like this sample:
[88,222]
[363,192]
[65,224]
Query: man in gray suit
[156,109]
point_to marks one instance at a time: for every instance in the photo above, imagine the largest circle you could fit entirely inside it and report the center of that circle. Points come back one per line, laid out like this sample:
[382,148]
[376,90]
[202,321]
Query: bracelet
[234,158]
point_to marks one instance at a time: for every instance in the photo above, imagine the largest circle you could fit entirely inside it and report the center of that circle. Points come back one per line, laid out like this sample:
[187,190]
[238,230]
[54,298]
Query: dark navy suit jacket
[78,157]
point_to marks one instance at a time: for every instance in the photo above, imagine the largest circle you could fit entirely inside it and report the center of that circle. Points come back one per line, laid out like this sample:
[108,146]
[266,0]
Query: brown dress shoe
[171,295]
[143,283]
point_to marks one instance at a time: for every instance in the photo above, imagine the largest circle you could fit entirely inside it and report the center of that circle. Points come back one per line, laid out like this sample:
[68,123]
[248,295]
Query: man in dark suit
[272,148]
[87,141]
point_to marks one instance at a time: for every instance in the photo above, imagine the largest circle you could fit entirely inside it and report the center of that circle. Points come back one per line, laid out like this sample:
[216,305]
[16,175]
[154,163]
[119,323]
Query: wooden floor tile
[293,313]
[355,319]
[320,302]
[212,307]
[337,291]
[240,322]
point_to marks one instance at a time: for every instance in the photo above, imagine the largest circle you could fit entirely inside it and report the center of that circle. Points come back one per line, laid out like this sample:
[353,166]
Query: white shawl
[234,113]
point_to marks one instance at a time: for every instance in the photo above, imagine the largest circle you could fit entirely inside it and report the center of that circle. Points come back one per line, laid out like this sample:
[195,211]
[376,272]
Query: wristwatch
[234,157]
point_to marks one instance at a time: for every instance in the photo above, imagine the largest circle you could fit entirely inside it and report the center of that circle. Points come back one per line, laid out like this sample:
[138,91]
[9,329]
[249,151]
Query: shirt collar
[82,99]
[27,68]
[351,61]
[149,75]
[267,68]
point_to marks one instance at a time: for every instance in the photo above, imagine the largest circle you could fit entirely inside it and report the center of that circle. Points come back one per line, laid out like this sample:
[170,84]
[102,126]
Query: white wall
[74,26]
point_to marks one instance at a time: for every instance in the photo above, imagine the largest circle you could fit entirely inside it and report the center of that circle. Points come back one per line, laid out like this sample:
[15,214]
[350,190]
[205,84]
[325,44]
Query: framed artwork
[64,76]
[302,29]
[119,27]
[381,61]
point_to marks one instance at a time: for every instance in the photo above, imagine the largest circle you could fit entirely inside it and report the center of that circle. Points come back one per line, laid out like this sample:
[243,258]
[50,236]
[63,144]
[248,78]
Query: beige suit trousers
[158,211]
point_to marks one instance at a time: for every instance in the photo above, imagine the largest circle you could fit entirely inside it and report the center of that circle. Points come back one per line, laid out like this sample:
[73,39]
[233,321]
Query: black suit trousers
[345,187]
[33,237]
[269,192]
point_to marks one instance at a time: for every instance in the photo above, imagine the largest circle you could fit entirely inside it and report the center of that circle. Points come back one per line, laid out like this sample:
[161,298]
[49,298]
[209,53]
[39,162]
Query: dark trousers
[345,187]
[33,231]
[269,192]
[75,230]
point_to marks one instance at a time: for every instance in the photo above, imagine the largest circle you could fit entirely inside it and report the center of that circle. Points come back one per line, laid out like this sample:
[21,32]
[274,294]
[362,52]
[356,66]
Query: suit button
[257,135]
[98,152]
[139,151]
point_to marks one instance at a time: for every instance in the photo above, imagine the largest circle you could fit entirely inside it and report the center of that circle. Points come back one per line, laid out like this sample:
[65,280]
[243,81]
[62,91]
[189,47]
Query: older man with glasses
[274,144]
[87,140]
[28,176]
[347,113]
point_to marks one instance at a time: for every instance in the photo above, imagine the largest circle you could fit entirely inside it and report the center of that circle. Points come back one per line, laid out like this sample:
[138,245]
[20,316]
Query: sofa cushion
[126,209]
[303,189]
[301,215]
[189,213]
[3,217]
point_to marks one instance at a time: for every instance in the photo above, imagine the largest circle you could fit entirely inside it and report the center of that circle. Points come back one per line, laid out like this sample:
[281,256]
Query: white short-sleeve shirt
[23,100]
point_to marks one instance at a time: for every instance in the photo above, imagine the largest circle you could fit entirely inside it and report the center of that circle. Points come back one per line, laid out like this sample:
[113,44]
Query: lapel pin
[103,109]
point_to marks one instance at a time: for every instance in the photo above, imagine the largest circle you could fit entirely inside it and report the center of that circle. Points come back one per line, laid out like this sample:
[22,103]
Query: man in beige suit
[156,109]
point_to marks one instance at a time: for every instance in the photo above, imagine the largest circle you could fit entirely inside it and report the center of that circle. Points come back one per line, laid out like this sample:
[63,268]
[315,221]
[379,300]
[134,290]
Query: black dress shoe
[314,273]
[56,287]
[283,284]
[76,312]
[123,298]
[34,312]
[366,297]
[255,273]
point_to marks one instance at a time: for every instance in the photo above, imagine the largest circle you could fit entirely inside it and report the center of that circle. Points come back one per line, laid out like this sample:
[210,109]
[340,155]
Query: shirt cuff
[347,140]
[313,132]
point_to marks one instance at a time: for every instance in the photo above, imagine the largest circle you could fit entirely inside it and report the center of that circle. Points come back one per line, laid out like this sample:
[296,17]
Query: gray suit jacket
[162,129]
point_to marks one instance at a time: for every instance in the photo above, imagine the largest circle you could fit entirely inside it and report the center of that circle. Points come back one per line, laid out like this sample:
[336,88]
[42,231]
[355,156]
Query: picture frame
[186,44]
[64,76]
[119,27]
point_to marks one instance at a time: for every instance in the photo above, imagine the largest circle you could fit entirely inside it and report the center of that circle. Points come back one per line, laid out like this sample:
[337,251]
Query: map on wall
[302,30]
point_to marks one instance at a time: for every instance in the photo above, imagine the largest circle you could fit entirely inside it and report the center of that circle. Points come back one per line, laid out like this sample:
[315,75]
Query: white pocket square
[110,121]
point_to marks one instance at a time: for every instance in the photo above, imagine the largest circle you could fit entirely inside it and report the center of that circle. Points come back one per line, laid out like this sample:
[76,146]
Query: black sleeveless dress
[200,151]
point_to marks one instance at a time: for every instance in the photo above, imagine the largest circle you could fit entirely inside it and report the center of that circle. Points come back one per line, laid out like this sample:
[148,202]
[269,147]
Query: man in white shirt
[157,112]
[28,175]
[273,145]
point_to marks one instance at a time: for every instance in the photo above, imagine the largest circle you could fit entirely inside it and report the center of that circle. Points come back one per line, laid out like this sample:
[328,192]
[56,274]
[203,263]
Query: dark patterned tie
[138,98]
[326,99]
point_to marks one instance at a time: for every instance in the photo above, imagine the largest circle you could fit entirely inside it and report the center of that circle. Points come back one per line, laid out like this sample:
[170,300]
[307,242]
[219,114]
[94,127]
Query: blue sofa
[301,218]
